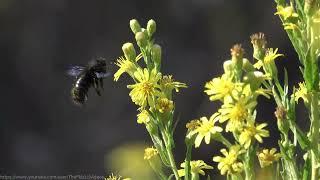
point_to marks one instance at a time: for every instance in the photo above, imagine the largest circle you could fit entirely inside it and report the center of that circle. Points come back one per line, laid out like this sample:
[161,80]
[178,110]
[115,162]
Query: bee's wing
[75,70]
[102,75]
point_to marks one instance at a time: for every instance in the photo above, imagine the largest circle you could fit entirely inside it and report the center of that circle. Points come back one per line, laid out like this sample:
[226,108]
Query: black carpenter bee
[87,76]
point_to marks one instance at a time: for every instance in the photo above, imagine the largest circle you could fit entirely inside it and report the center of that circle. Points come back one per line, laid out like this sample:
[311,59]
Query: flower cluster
[151,91]
[237,89]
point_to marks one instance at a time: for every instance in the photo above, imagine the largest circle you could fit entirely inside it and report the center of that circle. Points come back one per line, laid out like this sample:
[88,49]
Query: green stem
[249,164]
[158,171]
[168,145]
[195,177]
[187,162]
[223,140]
[314,132]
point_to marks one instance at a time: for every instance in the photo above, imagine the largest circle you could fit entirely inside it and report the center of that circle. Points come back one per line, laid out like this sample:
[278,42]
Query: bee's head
[98,65]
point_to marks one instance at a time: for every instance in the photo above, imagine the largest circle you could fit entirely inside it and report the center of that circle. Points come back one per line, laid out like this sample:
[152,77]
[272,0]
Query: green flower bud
[156,54]
[237,60]
[247,66]
[145,32]
[255,78]
[237,52]
[228,67]
[282,121]
[135,26]
[129,51]
[141,39]
[259,45]
[151,27]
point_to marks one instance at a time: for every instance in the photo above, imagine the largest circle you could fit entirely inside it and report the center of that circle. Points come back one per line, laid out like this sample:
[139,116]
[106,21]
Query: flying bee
[87,76]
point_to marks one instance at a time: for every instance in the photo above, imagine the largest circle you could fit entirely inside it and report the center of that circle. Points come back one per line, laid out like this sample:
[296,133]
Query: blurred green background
[43,133]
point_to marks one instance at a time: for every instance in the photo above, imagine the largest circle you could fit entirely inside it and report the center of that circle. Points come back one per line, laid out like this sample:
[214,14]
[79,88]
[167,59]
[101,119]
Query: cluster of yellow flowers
[151,91]
[238,89]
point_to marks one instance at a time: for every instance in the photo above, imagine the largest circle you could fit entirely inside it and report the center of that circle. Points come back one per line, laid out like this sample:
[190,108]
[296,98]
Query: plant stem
[314,131]
[173,163]
[249,164]
[168,145]
[291,169]
[187,161]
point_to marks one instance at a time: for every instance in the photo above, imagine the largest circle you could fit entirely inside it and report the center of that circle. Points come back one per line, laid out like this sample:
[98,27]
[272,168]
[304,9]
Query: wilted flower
[143,117]
[150,153]
[267,157]
[167,84]
[164,105]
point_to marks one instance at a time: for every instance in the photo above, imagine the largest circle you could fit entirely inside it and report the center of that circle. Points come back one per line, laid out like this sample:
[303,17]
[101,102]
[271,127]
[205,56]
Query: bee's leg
[96,86]
[101,83]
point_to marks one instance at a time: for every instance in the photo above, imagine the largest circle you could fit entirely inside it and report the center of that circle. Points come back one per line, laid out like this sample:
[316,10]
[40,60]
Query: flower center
[147,88]
[239,113]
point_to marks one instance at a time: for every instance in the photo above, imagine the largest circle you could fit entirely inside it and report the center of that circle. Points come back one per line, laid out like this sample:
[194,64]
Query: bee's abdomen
[80,89]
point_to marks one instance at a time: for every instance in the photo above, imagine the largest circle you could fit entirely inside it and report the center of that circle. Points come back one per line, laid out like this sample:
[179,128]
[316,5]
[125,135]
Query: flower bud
[156,54]
[151,27]
[237,56]
[237,52]
[255,78]
[247,66]
[135,26]
[259,45]
[145,32]
[129,51]
[164,105]
[141,39]
[282,121]
[152,156]
[228,67]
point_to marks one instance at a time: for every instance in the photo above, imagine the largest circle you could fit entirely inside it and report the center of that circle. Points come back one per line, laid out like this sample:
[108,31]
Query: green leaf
[311,72]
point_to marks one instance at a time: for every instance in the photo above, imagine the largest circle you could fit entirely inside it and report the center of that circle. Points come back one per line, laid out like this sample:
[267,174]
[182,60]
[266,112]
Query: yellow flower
[286,12]
[301,92]
[290,26]
[125,65]
[167,84]
[219,88]
[205,129]
[267,157]
[145,90]
[251,131]
[258,64]
[150,153]
[164,105]
[143,117]
[196,168]
[236,112]
[271,55]
[229,164]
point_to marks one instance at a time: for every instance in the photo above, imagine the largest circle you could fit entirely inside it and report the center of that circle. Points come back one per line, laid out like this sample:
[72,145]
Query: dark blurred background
[44,133]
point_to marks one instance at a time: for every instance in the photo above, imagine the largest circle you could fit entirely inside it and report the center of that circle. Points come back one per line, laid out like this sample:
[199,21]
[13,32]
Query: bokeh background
[43,133]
